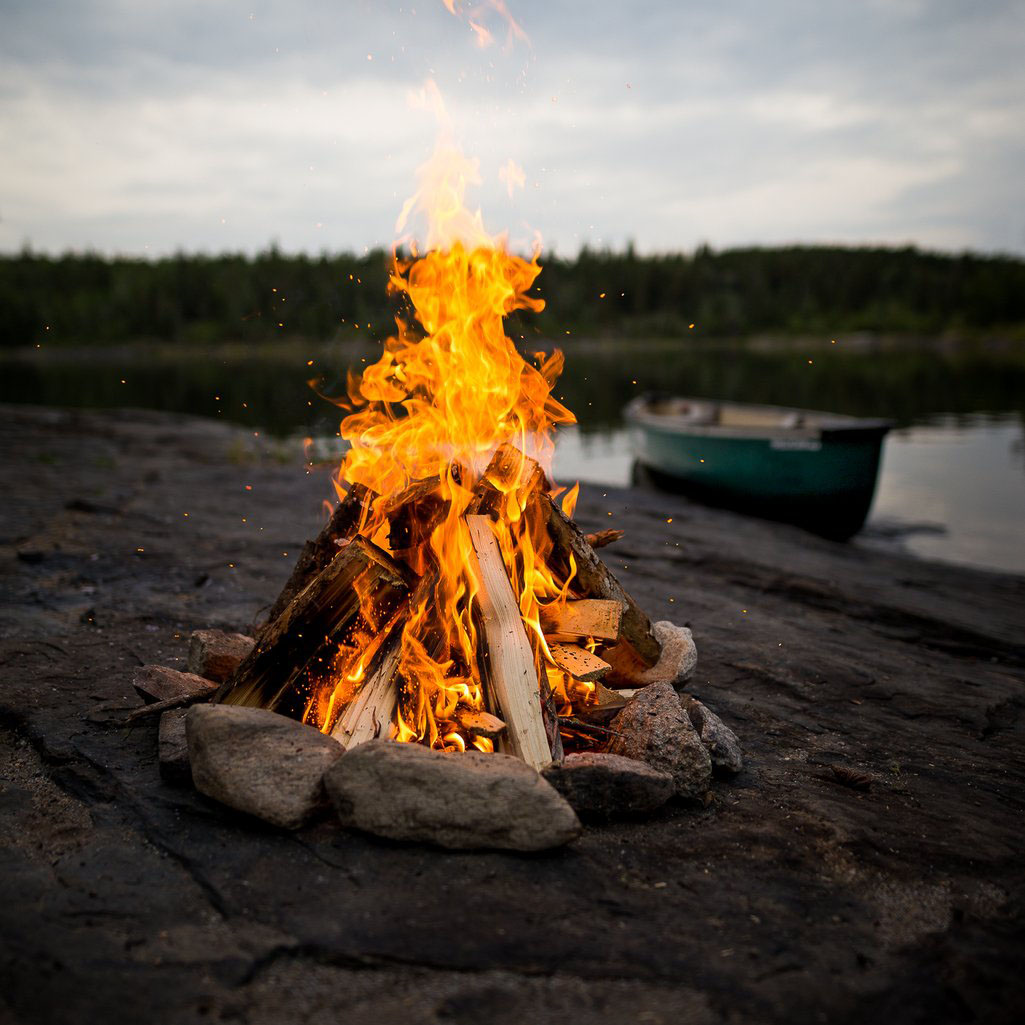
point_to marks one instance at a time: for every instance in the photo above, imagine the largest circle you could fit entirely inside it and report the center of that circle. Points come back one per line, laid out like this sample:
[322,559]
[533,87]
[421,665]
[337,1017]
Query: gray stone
[216,654]
[462,801]
[606,785]
[720,741]
[654,728]
[158,683]
[259,762]
[173,747]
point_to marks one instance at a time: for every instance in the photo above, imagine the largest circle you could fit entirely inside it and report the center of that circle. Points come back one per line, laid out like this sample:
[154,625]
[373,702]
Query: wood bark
[318,553]
[414,513]
[508,661]
[601,538]
[305,637]
[637,645]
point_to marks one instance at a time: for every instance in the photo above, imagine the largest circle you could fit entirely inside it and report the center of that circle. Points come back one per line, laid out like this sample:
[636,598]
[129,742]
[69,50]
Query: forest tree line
[87,299]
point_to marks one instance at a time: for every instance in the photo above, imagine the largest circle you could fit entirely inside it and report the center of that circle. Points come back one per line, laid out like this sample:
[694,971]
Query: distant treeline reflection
[84,299]
[265,387]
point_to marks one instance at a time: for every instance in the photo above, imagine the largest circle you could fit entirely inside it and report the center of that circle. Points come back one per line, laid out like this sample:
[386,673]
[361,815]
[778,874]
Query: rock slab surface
[605,785]
[461,801]
[654,728]
[173,746]
[259,762]
[216,655]
[157,683]
[720,741]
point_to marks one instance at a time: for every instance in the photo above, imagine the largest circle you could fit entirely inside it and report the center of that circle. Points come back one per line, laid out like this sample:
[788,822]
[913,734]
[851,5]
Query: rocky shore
[865,863]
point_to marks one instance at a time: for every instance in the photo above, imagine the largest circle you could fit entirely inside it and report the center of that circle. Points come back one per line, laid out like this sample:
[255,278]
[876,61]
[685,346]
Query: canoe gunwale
[831,426]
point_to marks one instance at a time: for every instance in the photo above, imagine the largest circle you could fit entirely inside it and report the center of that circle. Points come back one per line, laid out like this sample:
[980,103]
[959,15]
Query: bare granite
[864,866]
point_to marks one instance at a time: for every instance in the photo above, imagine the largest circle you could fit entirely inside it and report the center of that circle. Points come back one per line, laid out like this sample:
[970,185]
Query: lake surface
[951,485]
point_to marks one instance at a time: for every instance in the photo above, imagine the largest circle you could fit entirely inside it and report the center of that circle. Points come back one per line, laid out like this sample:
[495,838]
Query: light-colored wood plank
[370,713]
[509,661]
[578,662]
[590,617]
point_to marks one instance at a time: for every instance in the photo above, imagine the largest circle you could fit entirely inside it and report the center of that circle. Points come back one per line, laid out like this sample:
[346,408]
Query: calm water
[951,486]
[951,489]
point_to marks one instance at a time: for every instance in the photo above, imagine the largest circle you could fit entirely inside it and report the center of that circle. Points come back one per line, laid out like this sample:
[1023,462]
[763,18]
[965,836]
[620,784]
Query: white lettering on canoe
[795,444]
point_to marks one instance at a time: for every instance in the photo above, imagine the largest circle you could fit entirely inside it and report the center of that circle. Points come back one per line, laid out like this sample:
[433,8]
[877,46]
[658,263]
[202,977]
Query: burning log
[414,513]
[371,711]
[361,581]
[638,647]
[509,470]
[318,553]
[589,617]
[509,661]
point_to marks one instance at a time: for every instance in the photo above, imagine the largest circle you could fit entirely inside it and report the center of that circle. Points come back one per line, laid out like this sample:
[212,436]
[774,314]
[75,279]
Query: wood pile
[542,686]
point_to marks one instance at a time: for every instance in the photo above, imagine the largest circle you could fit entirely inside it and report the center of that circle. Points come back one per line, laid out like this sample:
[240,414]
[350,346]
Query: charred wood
[345,521]
[302,641]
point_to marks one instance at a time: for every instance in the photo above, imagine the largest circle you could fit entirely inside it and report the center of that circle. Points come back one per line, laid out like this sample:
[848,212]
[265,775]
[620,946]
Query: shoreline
[785,897]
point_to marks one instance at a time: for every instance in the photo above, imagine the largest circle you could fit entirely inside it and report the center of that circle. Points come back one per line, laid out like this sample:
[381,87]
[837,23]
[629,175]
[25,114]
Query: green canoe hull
[824,483]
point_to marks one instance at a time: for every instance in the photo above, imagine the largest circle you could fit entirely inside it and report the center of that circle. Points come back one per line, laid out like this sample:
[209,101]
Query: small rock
[462,801]
[259,762]
[604,785]
[654,728]
[721,742]
[157,683]
[677,661]
[174,747]
[216,654]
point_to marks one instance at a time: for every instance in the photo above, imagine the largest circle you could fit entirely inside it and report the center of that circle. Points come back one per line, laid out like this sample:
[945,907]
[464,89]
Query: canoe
[817,470]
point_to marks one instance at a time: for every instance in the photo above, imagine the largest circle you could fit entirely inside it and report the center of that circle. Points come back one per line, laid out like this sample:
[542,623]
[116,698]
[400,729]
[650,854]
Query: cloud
[149,127]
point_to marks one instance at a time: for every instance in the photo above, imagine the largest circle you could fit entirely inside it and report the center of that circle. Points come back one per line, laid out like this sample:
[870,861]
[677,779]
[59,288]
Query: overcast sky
[154,125]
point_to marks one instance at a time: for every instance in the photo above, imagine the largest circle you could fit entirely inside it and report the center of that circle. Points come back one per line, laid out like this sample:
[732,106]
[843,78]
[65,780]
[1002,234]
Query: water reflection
[952,483]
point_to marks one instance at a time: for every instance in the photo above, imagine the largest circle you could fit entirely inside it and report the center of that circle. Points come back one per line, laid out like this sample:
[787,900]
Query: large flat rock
[789,897]
[464,801]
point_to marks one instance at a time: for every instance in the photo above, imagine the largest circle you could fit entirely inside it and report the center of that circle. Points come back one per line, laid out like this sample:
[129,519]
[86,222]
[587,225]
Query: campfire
[450,601]
[450,604]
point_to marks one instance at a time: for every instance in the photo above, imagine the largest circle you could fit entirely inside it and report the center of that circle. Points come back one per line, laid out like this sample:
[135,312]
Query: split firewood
[638,647]
[302,641]
[509,469]
[158,683]
[508,661]
[369,715]
[371,712]
[414,513]
[603,537]
[589,617]
[578,662]
[159,707]
[317,554]
[606,704]
[479,724]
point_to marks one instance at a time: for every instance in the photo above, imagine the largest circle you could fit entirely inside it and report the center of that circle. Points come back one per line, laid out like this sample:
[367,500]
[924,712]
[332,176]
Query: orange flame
[477,14]
[449,388]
